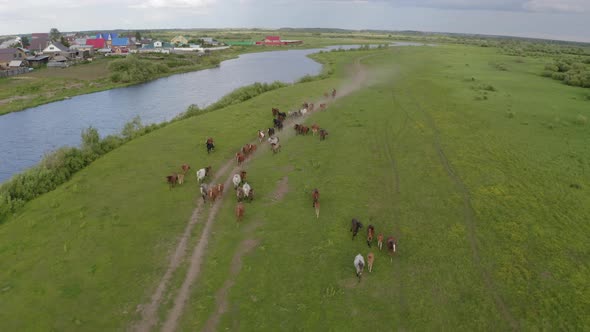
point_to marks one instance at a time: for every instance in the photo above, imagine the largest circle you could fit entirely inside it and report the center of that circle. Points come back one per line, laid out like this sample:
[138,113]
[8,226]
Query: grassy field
[480,173]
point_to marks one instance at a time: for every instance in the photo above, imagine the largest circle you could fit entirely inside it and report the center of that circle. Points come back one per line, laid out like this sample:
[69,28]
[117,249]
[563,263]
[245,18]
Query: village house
[158,44]
[120,45]
[276,41]
[97,43]
[39,41]
[57,49]
[209,41]
[179,40]
[11,54]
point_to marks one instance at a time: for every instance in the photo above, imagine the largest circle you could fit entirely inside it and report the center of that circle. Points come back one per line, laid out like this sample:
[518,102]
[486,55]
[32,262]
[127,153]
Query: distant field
[88,72]
[471,159]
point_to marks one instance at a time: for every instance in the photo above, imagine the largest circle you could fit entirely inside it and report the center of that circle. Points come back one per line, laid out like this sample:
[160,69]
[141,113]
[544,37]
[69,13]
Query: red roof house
[97,43]
[276,40]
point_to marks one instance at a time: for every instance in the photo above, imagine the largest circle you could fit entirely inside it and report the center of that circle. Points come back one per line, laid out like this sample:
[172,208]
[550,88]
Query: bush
[133,70]
[59,166]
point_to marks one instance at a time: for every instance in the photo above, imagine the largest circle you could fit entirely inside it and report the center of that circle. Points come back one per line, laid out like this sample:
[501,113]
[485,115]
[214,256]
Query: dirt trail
[149,312]
[221,300]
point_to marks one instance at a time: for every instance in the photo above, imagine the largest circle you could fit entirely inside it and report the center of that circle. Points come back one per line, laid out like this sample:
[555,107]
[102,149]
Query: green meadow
[476,163]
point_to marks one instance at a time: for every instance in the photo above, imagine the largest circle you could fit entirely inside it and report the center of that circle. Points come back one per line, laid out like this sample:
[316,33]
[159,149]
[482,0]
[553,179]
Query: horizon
[263,29]
[560,20]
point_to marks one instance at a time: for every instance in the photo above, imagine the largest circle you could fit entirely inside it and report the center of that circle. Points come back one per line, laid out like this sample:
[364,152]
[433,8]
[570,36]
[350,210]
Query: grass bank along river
[470,179]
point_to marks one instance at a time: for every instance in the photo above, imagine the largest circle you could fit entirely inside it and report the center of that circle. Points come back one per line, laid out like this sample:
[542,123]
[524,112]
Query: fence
[14,71]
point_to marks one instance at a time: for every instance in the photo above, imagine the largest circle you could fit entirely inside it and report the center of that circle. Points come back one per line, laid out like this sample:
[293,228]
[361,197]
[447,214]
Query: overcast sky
[556,19]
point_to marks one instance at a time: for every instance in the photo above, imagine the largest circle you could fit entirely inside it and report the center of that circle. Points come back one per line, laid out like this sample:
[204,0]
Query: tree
[54,34]
[64,42]
[25,41]
[137,36]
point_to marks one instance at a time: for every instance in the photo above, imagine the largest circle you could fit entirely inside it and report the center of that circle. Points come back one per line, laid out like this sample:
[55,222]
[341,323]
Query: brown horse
[322,107]
[323,134]
[243,175]
[370,260]
[316,206]
[380,241]
[355,226]
[185,168]
[240,158]
[315,128]
[240,211]
[275,112]
[370,235]
[172,180]
[315,195]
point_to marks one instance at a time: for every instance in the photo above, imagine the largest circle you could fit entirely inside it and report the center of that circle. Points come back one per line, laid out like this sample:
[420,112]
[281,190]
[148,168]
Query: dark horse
[210,145]
[355,226]
[278,123]
[316,196]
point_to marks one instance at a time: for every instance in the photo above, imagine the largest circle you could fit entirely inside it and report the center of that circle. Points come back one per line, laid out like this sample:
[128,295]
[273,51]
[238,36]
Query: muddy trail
[149,312]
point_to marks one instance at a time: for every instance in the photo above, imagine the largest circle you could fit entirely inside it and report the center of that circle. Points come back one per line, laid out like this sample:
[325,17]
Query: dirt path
[222,303]
[149,312]
[149,317]
[469,217]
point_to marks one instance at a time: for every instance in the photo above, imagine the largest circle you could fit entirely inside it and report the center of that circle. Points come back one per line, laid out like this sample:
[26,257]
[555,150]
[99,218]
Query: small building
[158,44]
[37,61]
[276,41]
[11,54]
[39,41]
[16,64]
[59,61]
[179,40]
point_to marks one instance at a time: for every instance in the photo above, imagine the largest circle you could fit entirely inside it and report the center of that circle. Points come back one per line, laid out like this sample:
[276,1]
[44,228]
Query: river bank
[49,85]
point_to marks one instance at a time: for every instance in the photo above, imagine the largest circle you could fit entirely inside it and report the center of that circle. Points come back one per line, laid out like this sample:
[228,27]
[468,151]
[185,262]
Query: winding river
[27,135]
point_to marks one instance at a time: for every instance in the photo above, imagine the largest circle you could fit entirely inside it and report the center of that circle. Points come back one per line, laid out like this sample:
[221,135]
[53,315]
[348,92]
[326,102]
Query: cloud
[567,6]
[187,4]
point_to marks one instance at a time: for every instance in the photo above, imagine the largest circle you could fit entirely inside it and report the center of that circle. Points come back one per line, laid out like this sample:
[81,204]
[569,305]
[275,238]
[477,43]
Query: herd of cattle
[244,192]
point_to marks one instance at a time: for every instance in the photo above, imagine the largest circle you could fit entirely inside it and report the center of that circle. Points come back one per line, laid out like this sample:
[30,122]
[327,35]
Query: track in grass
[468,216]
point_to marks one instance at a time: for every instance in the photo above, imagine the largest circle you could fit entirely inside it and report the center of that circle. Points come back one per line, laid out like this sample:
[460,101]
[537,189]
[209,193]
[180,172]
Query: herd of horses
[359,262]
[245,192]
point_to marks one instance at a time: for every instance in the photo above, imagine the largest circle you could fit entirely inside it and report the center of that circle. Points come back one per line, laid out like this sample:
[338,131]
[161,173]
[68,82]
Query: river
[28,135]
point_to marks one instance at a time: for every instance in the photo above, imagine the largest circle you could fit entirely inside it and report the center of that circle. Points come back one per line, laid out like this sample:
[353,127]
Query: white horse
[237,179]
[246,188]
[201,174]
[359,265]
[273,140]
[303,111]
